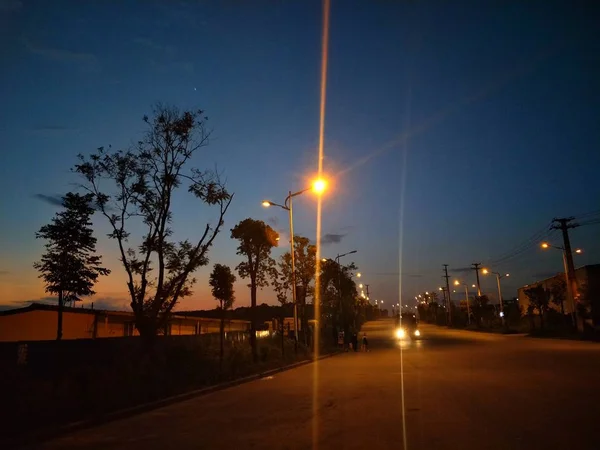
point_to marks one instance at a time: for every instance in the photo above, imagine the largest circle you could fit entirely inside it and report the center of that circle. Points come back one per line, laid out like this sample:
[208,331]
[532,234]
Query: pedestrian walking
[365,343]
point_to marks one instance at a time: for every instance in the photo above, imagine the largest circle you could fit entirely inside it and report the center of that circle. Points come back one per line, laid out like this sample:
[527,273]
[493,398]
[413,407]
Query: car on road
[407,327]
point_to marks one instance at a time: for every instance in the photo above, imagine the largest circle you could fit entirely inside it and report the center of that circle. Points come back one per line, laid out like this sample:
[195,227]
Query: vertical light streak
[400,245]
[317,296]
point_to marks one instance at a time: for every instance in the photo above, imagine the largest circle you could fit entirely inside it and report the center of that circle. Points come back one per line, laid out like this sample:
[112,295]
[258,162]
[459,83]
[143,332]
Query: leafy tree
[538,299]
[281,283]
[338,296]
[143,182]
[558,290]
[588,292]
[479,307]
[70,267]
[305,263]
[221,282]
[256,239]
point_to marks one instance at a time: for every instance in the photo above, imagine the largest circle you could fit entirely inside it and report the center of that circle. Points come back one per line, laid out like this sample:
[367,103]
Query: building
[588,282]
[38,322]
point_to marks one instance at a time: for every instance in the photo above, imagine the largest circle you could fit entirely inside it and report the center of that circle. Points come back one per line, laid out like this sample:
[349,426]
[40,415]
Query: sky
[454,131]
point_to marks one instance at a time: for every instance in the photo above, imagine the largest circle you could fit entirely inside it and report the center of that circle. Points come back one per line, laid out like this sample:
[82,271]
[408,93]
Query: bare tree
[143,183]
[70,267]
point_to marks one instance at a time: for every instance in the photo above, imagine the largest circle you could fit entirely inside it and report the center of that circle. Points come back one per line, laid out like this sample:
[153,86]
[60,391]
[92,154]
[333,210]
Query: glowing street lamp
[318,187]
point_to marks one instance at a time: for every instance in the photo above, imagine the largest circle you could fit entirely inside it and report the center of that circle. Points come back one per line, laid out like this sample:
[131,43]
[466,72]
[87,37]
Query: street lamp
[498,276]
[458,283]
[337,261]
[318,187]
[570,290]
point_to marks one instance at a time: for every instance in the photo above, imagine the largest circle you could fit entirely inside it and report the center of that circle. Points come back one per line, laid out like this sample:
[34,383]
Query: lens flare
[317,299]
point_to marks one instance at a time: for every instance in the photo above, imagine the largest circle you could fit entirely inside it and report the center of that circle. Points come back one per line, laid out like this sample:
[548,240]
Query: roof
[588,268]
[46,307]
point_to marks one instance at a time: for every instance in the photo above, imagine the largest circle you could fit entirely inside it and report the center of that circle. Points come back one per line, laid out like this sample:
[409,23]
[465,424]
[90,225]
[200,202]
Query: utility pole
[448,290]
[446,305]
[563,224]
[476,269]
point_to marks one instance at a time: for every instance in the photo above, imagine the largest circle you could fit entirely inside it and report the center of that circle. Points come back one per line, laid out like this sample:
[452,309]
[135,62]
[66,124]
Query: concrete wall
[41,326]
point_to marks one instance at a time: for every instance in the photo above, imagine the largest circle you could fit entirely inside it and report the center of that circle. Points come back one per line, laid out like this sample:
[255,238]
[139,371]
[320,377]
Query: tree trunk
[59,327]
[222,335]
[253,320]
[282,328]
[148,331]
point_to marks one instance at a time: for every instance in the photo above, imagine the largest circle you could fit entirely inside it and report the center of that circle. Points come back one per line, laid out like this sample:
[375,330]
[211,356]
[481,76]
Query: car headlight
[400,333]
[417,333]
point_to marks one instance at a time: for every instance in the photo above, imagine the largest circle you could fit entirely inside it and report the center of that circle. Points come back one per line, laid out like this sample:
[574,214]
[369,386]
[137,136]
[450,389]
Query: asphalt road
[458,390]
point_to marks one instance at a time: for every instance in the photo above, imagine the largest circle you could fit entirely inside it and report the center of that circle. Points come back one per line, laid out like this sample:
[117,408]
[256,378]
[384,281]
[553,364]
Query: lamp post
[339,267]
[570,289]
[447,304]
[498,276]
[458,283]
[318,187]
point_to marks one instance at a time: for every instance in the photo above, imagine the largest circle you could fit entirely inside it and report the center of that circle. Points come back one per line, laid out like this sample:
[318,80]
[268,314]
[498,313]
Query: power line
[589,222]
[526,245]
[587,214]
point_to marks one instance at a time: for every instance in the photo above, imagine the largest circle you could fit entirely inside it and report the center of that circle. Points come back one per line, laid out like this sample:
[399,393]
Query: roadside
[45,433]
[69,390]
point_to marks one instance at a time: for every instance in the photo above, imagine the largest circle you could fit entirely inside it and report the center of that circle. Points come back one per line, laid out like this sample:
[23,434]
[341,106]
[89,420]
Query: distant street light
[498,276]
[318,187]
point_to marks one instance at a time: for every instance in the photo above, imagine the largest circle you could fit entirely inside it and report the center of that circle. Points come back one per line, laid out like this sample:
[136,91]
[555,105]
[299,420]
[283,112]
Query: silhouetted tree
[305,263]
[338,295]
[558,290]
[256,239]
[281,283]
[221,282]
[144,181]
[479,307]
[538,299]
[70,267]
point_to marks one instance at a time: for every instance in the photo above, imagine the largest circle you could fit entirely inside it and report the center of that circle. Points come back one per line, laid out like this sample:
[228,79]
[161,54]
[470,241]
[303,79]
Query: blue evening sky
[467,126]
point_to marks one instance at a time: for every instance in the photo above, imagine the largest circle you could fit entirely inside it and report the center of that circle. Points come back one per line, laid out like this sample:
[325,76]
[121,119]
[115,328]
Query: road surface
[458,390]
